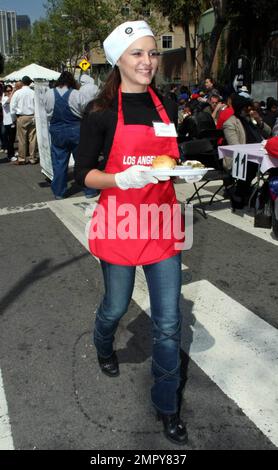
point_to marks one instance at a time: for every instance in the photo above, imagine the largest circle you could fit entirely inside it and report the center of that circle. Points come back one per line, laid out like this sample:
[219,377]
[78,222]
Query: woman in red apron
[133,223]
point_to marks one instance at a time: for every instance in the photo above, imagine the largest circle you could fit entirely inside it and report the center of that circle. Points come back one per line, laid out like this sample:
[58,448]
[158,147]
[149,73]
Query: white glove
[191,179]
[163,178]
[136,176]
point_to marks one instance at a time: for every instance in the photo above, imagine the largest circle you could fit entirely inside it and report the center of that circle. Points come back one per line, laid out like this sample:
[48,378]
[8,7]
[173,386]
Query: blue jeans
[164,284]
[64,141]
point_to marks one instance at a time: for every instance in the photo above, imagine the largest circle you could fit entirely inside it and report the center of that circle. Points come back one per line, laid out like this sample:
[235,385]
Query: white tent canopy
[33,71]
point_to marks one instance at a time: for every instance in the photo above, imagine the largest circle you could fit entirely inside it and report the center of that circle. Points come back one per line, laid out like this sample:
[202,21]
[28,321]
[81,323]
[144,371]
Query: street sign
[84,65]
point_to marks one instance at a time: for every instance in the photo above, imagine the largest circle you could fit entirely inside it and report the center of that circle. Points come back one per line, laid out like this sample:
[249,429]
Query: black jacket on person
[270,118]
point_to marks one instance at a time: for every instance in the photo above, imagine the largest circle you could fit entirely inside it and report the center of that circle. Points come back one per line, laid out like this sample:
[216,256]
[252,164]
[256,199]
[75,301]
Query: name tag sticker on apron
[164,130]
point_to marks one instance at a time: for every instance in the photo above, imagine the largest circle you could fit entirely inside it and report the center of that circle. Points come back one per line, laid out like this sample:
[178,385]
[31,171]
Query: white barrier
[42,125]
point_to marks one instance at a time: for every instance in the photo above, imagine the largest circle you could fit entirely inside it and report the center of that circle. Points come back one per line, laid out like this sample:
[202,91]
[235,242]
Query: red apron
[121,232]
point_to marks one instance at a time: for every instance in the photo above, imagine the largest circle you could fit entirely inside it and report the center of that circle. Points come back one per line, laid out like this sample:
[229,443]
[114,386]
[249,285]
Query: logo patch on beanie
[128,30]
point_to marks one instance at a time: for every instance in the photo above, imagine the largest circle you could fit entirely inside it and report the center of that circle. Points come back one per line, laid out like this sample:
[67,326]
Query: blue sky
[33,8]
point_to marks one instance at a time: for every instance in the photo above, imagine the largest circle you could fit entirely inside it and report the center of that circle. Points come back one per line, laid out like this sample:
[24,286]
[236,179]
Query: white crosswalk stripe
[6,440]
[238,351]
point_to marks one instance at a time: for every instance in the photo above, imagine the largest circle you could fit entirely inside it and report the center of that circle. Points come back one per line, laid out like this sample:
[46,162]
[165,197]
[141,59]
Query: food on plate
[193,164]
[164,162]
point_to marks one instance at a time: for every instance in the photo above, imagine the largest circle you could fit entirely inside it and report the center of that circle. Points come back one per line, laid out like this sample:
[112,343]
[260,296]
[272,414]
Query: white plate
[179,171]
[190,175]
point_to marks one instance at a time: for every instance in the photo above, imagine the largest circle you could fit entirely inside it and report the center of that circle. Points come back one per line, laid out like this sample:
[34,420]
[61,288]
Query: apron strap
[159,106]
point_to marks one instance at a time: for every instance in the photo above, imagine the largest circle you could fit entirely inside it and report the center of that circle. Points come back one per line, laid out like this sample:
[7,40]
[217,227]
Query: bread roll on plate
[164,162]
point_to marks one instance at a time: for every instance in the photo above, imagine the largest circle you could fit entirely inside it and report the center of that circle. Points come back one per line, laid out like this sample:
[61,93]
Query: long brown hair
[109,91]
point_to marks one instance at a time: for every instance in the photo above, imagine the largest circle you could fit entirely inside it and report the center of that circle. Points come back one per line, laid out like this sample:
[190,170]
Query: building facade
[23,22]
[8,27]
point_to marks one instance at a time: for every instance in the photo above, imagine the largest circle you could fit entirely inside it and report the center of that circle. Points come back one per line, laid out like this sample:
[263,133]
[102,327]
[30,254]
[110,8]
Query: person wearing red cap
[131,124]
[271,147]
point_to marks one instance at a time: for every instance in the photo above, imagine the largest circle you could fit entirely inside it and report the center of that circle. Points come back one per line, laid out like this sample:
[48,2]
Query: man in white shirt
[23,108]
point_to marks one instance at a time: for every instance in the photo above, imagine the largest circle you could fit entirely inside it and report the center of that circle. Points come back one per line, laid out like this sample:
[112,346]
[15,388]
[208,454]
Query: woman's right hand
[136,176]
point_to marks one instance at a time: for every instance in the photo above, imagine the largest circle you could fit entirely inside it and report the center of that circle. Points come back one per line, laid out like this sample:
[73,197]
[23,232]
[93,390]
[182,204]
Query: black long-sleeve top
[98,128]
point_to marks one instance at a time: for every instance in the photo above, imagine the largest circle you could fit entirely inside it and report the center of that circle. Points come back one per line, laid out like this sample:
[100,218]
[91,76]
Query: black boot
[109,365]
[174,428]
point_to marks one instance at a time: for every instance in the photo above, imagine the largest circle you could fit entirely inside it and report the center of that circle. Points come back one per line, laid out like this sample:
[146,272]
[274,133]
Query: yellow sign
[84,65]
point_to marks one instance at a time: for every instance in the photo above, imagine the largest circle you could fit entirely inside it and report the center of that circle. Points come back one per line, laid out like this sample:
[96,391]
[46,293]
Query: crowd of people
[65,102]
[18,120]
[241,119]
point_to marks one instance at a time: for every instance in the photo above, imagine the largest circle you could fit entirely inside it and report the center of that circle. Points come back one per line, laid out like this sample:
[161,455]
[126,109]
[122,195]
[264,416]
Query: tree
[70,29]
[252,35]
[220,8]
[183,13]
[250,23]
[84,23]
[44,44]
[141,10]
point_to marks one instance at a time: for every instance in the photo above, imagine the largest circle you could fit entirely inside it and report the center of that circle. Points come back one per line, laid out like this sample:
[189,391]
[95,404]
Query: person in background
[18,85]
[263,106]
[271,113]
[64,109]
[126,122]
[225,112]
[275,128]
[216,103]
[172,93]
[184,93]
[187,129]
[181,104]
[9,124]
[202,114]
[88,90]
[3,141]
[22,107]
[210,89]
[258,108]
[243,91]
[245,126]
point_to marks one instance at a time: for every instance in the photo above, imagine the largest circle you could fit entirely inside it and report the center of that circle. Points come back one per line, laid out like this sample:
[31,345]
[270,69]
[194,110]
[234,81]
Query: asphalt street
[53,395]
